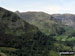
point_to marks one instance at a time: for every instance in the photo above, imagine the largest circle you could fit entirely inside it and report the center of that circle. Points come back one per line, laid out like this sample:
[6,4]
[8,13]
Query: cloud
[0,1]
[49,6]
[52,9]
[48,9]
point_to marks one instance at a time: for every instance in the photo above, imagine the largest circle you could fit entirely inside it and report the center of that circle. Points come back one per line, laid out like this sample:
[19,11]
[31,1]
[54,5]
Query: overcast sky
[48,6]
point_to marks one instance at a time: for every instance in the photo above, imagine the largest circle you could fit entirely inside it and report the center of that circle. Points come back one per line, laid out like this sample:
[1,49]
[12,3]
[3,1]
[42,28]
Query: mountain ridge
[19,38]
[43,20]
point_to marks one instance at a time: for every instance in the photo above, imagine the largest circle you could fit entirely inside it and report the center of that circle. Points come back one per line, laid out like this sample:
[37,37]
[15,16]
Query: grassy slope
[39,19]
[47,26]
[18,35]
[60,32]
[19,38]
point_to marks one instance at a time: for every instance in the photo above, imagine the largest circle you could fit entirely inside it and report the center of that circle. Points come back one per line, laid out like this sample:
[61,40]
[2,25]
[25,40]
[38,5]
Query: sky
[48,6]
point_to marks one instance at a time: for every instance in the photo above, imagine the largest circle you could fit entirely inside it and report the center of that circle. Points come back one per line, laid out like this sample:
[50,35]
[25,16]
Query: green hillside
[49,24]
[43,21]
[39,19]
[19,38]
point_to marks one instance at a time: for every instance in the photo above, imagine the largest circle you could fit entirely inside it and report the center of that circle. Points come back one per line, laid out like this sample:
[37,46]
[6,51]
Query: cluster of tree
[19,38]
[25,38]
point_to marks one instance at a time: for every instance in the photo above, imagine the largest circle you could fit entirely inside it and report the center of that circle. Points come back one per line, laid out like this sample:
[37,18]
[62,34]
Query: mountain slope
[66,19]
[46,23]
[19,38]
[41,20]
[51,25]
